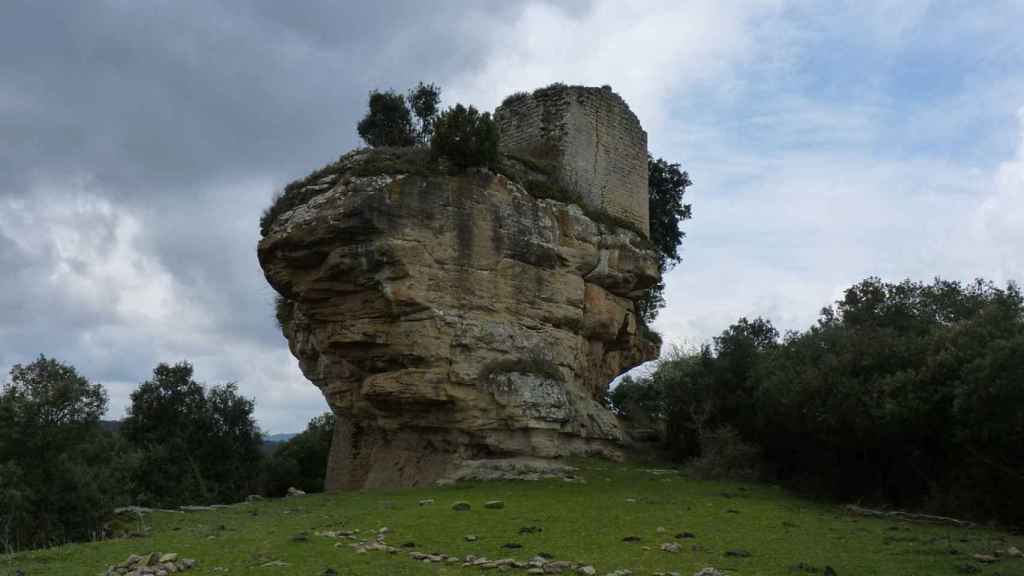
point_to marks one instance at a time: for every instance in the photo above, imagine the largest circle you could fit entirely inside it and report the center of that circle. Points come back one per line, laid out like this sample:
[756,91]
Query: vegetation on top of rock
[465,138]
[388,122]
[360,162]
[514,97]
[424,100]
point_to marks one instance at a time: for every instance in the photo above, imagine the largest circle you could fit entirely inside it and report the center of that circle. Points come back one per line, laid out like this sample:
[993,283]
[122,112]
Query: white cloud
[90,257]
[645,51]
[798,228]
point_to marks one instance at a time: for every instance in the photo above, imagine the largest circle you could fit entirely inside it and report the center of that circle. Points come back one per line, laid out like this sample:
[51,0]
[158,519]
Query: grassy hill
[616,517]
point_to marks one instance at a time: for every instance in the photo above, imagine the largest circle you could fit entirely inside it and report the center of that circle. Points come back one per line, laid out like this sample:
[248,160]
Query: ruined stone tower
[594,141]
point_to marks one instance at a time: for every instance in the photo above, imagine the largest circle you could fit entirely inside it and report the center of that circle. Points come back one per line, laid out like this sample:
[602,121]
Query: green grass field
[584,522]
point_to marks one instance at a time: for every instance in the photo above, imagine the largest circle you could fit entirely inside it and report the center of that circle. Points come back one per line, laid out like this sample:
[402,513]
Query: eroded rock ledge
[449,318]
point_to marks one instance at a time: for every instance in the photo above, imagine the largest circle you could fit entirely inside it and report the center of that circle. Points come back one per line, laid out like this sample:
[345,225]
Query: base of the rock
[363,458]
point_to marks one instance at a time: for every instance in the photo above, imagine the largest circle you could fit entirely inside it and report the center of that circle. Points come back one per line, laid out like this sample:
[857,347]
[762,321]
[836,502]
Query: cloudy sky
[139,142]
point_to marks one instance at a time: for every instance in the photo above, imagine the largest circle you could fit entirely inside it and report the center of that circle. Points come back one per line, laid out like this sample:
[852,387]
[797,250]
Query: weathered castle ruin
[449,318]
[594,140]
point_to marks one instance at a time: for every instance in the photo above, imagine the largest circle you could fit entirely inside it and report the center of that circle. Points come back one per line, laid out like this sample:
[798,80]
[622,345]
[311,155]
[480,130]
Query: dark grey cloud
[139,143]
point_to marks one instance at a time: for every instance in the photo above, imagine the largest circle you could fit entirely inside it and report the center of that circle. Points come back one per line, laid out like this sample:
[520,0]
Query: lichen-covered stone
[449,318]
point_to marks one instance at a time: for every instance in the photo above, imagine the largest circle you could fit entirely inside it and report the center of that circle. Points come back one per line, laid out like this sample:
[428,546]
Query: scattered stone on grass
[587,570]
[985,558]
[470,538]
[300,537]
[631,539]
[804,568]
[293,491]
[530,529]
[494,504]
[737,553]
[155,564]
[426,502]
[461,506]
[709,571]
[1014,552]
[253,498]
[671,547]
[685,535]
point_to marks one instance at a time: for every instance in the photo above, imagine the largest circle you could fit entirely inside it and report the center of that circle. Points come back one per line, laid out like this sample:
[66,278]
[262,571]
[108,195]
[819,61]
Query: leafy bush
[302,461]
[638,401]
[724,454]
[465,137]
[904,394]
[667,185]
[388,122]
[198,445]
[61,474]
[424,100]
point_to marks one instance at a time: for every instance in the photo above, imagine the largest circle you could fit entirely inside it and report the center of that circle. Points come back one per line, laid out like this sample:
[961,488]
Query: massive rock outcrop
[454,317]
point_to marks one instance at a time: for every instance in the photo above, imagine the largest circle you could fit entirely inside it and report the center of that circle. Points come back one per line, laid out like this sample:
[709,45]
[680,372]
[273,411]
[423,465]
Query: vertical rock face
[452,318]
[593,140]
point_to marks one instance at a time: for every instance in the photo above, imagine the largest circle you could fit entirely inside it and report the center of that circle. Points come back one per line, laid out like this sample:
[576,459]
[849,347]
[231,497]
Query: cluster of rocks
[153,564]
[536,565]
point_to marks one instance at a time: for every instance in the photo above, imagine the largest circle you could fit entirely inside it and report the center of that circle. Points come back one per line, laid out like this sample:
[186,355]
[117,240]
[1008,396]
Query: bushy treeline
[63,470]
[461,135]
[903,394]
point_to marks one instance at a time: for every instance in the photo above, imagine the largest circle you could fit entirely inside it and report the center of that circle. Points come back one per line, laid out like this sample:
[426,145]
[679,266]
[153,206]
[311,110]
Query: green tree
[465,137]
[197,445]
[301,461]
[61,474]
[424,100]
[388,122]
[667,185]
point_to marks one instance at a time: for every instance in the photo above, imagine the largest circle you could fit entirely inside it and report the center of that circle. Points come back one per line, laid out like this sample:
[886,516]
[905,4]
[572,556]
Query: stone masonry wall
[594,140]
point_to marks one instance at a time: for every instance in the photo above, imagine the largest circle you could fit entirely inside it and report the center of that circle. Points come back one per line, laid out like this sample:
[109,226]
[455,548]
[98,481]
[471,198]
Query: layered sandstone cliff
[449,318]
[455,317]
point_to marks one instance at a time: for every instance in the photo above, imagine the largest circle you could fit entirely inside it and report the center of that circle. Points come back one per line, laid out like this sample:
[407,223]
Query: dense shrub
[61,474]
[724,454]
[301,461]
[388,122]
[424,101]
[903,394]
[465,137]
[637,401]
[198,445]
[667,185]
